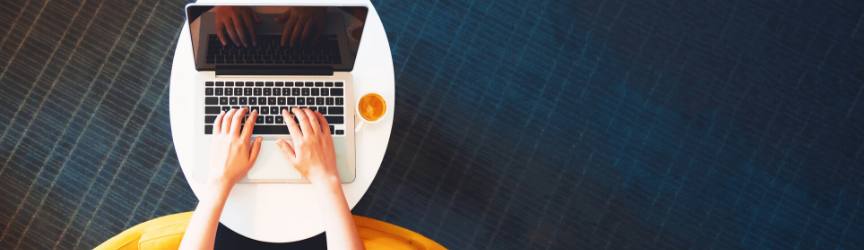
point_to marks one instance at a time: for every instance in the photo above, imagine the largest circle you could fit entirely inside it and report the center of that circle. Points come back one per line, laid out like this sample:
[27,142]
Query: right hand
[303,25]
[312,155]
[237,20]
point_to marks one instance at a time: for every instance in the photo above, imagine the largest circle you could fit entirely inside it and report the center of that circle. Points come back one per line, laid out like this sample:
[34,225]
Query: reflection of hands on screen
[303,25]
[237,20]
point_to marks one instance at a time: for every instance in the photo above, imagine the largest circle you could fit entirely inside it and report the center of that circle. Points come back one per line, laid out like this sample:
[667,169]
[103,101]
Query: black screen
[261,35]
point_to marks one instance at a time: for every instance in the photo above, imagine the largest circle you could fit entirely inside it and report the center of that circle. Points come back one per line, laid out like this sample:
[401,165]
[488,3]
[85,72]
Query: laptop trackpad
[272,165]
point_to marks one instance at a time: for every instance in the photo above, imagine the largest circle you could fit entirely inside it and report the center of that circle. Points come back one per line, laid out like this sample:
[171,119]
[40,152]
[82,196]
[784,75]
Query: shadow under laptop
[228,239]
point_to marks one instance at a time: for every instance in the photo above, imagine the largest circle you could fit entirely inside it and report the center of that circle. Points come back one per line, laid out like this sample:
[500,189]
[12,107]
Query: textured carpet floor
[549,124]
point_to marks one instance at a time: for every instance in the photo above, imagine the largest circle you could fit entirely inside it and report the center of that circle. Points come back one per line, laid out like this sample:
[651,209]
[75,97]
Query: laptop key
[328,101]
[264,111]
[279,119]
[305,91]
[267,91]
[319,101]
[337,91]
[223,100]
[340,101]
[336,110]
[339,84]
[274,110]
[257,91]
[232,101]
[262,100]
[325,92]
[277,91]
[226,109]
[253,101]
[209,119]
[208,91]
[254,108]
[280,100]
[208,129]
[340,132]
[259,120]
[271,100]
[247,91]
[208,83]
[242,101]
[268,119]
[319,84]
[220,84]
[237,91]
[322,110]
[310,101]
[315,91]
[289,100]
[335,119]
[218,91]
[301,101]
[229,91]
[211,110]
[332,129]
[328,84]
[211,100]
[295,91]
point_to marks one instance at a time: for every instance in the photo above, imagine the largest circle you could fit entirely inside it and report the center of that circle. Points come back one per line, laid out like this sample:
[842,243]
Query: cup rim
[357,108]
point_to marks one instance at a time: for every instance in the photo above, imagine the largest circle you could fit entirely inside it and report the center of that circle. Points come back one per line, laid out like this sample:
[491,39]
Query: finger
[226,121]
[220,31]
[313,121]
[325,126]
[284,17]
[251,28]
[298,30]
[250,125]
[292,126]
[289,28]
[287,150]
[232,33]
[217,124]
[257,18]
[256,147]
[304,121]
[241,31]
[236,120]
[318,33]
[306,38]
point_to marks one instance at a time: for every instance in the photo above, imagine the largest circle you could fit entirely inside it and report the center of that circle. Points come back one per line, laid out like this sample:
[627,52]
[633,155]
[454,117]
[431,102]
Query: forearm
[338,223]
[201,231]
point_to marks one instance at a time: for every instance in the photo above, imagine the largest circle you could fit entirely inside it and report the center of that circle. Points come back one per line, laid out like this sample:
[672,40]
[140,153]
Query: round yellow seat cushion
[166,233]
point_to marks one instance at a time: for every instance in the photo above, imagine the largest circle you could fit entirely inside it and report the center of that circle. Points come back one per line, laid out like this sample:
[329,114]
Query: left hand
[232,155]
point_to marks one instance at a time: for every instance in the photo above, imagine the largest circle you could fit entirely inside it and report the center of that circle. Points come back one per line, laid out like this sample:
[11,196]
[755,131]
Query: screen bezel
[192,42]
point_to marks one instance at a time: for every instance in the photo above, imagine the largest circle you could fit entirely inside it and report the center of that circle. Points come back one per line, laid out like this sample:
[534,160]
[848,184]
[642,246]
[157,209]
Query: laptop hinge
[270,70]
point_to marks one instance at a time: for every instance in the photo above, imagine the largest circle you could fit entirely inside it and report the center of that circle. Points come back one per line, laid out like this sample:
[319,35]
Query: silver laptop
[314,72]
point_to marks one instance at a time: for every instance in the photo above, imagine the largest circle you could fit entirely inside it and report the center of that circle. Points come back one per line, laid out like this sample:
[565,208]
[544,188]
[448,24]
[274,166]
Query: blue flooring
[558,124]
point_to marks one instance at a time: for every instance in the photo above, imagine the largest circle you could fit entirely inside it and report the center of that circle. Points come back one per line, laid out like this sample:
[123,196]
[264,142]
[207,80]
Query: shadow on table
[228,239]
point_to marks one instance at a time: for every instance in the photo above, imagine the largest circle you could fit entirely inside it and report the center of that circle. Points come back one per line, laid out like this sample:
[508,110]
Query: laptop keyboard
[269,51]
[270,97]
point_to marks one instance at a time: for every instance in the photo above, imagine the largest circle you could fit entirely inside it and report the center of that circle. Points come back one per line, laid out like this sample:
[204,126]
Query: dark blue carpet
[519,124]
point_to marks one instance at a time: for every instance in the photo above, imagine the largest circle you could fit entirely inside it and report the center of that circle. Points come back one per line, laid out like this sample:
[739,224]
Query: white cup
[363,120]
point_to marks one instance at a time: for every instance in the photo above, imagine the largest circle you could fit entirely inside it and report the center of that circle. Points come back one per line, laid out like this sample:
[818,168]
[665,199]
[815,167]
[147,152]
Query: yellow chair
[167,231]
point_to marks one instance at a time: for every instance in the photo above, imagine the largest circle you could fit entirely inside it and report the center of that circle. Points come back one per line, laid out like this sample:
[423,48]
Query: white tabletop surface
[289,212]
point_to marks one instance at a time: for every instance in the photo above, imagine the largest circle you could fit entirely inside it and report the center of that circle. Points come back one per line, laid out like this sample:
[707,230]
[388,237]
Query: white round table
[289,212]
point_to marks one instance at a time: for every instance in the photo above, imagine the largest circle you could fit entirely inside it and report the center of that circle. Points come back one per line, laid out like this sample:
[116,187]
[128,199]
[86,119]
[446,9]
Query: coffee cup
[371,108]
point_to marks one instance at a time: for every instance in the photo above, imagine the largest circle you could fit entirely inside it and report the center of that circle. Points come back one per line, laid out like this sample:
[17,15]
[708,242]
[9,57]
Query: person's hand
[312,155]
[237,20]
[232,155]
[303,25]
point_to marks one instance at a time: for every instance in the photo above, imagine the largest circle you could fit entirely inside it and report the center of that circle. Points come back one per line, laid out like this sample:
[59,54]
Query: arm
[315,158]
[232,156]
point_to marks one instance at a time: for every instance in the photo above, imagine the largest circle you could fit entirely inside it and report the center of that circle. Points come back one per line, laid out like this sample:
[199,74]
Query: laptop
[314,72]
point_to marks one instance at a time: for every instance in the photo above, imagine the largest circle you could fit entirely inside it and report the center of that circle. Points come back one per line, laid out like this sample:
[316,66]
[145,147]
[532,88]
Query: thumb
[256,148]
[284,17]
[287,150]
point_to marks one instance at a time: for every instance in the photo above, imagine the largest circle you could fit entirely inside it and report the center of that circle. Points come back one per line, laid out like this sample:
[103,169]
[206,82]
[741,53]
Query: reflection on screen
[276,35]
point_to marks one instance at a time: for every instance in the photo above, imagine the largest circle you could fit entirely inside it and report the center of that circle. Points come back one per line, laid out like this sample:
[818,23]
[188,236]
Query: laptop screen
[268,35]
